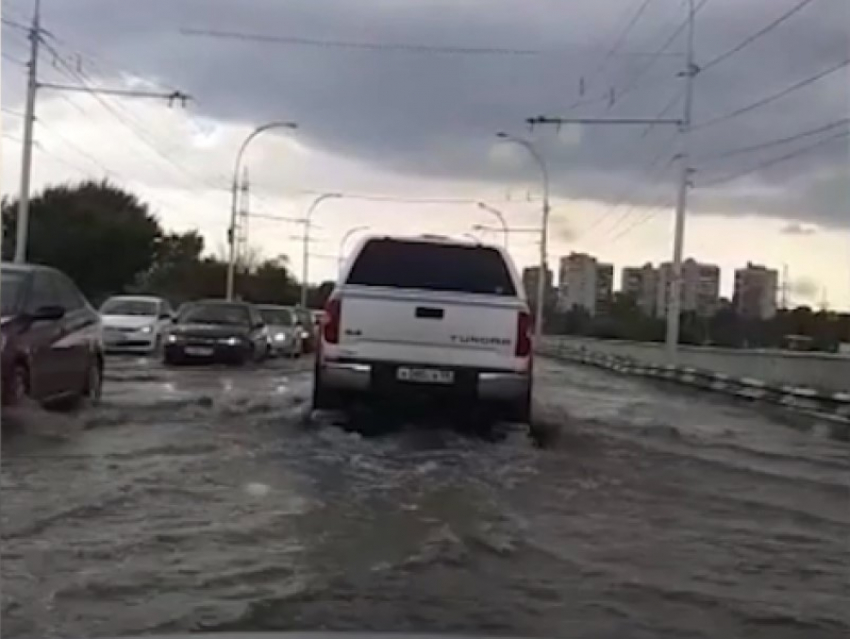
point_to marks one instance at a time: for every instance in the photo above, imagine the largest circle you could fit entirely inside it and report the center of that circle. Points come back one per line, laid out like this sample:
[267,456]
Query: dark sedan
[217,331]
[51,338]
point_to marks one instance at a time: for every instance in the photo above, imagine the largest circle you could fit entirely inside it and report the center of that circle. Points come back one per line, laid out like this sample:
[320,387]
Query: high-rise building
[700,292]
[755,291]
[604,288]
[584,283]
[530,276]
[640,283]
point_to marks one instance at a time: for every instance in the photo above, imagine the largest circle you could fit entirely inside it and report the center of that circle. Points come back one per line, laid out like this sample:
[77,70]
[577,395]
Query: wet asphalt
[207,499]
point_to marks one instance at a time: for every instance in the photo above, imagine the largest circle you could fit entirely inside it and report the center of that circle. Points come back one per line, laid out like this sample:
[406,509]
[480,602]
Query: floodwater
[205,499]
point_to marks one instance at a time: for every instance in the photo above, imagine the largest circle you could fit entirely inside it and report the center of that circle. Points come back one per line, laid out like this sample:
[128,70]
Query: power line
[16,25]
[775,161]
[673,102]
[777,142]
[633,84]
[13,59]
[648,215]
[135,128]
[623,35]
[363,46]
[77,149]
[651,170]
[755,36]
[772,98]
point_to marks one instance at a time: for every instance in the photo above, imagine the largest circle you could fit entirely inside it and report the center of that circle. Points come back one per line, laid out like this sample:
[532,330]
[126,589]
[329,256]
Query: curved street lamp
[306,241]
[541,279]
[231,230]
[498,214]
[348,234]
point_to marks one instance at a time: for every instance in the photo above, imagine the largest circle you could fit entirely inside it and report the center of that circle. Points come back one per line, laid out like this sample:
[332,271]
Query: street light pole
[498,214]
[544,230]
[348,234]
[306,241]
[231,230]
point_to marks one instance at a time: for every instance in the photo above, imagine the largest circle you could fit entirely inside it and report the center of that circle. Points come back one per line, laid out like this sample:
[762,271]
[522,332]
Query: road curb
[810,399]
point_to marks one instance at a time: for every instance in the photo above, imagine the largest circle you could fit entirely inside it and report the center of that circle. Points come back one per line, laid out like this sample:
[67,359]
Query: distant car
[308,328]
[282,328]
[51,338]
[217,331]
[429,318]
[135,323]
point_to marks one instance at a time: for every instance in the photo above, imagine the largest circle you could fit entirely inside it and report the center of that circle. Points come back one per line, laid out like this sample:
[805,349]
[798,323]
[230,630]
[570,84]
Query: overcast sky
[403,98]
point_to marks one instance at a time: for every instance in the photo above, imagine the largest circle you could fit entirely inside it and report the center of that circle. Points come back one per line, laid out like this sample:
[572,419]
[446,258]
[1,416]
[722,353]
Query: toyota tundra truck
[428,317]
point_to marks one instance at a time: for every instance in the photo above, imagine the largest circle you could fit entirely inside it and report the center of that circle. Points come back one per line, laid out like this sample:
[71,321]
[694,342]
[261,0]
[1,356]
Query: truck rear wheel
[324,398]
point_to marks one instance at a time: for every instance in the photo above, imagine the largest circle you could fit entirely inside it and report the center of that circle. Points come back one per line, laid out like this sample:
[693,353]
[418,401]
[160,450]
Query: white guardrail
[817,381]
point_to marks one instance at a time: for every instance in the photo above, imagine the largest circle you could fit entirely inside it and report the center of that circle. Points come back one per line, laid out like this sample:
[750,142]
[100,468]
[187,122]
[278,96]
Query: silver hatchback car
[283,330]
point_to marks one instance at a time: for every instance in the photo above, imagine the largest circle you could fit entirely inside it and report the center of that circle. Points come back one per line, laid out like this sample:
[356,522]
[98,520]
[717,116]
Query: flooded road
[205,500]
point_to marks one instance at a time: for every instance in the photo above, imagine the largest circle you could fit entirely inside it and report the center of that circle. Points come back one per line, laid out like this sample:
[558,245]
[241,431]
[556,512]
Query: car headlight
[231,341]
[172,338]
[304,334]
[280,337]
[146,329]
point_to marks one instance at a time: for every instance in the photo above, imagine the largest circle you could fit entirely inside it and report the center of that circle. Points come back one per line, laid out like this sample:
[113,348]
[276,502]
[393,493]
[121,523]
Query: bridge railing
[821,373]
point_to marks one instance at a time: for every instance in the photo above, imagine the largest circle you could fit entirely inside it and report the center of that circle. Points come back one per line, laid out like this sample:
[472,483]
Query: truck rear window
[432,267]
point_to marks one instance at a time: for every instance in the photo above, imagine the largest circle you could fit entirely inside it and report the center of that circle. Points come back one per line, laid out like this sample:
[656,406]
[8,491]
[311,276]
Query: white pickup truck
[427,316]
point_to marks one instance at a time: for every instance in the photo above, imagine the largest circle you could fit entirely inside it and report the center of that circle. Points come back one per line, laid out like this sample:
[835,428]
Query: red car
[51,337]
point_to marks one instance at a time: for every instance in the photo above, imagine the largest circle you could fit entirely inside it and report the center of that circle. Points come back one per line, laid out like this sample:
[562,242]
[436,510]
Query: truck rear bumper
[378,378]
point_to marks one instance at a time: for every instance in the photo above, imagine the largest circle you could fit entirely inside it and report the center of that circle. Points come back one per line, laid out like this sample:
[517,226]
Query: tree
[176,266]
[100,235]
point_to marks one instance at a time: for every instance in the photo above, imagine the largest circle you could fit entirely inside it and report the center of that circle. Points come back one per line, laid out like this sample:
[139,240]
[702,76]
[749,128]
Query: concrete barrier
[820,371]
[819,382]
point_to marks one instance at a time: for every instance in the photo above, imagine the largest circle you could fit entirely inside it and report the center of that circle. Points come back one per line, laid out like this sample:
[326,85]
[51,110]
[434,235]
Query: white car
[434,316]
[283,331]
[135,323]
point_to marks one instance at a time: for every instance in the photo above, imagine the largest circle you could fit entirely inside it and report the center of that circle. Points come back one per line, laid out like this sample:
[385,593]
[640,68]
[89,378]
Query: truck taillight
[331,320]
[524,329]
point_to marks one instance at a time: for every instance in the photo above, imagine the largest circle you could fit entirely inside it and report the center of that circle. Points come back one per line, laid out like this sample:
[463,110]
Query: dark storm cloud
[435,114]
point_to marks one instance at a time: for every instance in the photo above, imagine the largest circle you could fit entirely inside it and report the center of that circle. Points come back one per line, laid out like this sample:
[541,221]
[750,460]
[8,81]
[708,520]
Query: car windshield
[229,314]
[11,289]
[118,306]
[433,267]
[277,316]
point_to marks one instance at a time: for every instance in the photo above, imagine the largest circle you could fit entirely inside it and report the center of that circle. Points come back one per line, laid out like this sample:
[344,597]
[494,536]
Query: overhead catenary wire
[776,142]
[648,215]
[137,130]
[622,37]
[755,36]
[653,59]
[773,97]
[774,161]
[358,45]
[12,23]
[13,59]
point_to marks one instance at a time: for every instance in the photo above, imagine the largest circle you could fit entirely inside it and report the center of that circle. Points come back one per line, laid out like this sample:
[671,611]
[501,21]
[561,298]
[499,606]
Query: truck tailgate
[417,326]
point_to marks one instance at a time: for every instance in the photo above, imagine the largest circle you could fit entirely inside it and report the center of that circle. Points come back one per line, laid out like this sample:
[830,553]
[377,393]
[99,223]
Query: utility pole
[675,302]
[684,125]
[26,153]
[34,34]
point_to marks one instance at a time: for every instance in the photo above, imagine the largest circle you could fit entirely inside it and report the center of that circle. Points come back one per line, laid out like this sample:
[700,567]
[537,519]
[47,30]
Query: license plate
[201,351]
[425,375]
[113,337]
